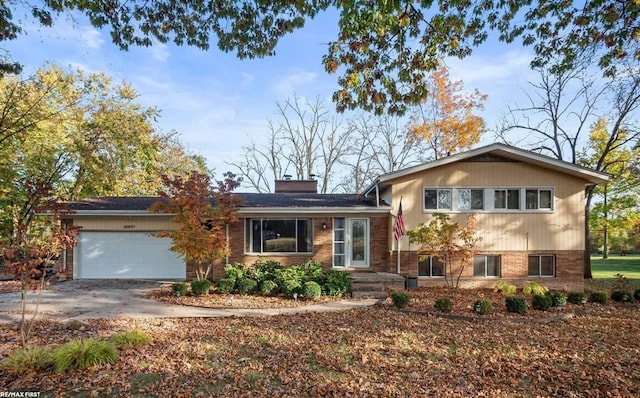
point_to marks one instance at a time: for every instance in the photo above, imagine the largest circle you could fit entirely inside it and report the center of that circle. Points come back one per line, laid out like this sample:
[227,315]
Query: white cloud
[476,69]
[290,83]
[159,52]
[91,38]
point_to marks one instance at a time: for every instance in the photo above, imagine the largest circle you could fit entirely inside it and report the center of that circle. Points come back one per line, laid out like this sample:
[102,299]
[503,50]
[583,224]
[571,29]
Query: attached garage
[125,255]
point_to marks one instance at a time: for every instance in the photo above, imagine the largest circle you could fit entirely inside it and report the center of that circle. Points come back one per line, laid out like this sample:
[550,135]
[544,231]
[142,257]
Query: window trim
[540,256]
[485,276]
[248,231]
[488,199]
[438,208]
[431,276]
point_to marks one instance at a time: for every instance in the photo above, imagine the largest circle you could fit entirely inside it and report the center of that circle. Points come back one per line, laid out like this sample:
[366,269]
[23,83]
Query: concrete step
[356,286]
[375,294]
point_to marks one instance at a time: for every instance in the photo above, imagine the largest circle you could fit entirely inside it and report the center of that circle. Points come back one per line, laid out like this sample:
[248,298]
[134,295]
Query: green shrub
[558,299]
[80,354]
[290,280]
[577,298]
[505,287]
[636,294]
[621,296]
[200,287]
[443,304]
[400,299]
[246,286]
[516,304]
[179,289]
[265,270]
[312,290]
[541,302]
[483,307]
[337,283]
[534,288]
[599,297]
[131,339]
[312,271]
[27,360]
[268,287]
[235,271]
[226,285]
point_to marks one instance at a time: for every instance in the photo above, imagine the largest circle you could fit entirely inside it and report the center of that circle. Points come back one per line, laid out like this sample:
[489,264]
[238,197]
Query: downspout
[377,195]
[226,232]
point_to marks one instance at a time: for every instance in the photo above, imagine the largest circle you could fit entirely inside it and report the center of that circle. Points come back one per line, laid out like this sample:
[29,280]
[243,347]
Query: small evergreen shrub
[516,304]
[578,298]
[443,304]
[226,285]
[599,297]
[235,271]
[505,287]
[558,300]
[312,290]
[268,287]
[246,286]
[131,339]
[541,302]
[400,299]
[179,289]
[265,270]
[621,296]
[312,271]
[200,287]
[290,280]
[81,354]
[636,294]
[27,360]
[337,283]
[483,307]
[534,288]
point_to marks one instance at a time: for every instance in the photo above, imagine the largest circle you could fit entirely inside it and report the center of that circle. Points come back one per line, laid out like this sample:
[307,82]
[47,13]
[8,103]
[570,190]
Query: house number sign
[129,226]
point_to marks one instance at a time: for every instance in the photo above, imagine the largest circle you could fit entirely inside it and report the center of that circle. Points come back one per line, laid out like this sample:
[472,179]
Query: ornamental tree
[201,213]
[453,244]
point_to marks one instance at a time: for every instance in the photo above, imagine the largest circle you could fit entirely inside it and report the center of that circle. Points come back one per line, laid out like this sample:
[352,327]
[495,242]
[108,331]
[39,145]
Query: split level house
[529,211]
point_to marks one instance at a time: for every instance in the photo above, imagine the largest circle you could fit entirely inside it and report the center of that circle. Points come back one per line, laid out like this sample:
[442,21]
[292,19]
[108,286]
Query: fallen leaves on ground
[376,351]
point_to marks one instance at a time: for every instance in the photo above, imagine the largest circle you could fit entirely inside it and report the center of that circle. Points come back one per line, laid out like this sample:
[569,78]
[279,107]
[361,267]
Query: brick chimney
[296,186]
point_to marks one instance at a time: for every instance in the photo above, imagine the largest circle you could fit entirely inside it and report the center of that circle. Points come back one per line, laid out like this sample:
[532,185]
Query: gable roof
[251,203]
[497,152]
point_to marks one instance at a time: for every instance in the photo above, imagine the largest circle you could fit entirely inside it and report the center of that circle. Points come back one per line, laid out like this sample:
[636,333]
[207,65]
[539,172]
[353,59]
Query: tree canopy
[383,50]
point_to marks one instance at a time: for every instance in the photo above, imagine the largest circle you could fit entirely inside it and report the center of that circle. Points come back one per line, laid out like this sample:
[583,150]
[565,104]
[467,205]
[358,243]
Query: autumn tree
[445,118]
[201,213]
[383,50]
[453,244]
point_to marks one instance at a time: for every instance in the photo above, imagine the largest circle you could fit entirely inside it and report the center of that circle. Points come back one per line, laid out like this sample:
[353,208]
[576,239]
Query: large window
[470,199]
[278,235]
[542,265]
[430,266]
[538,199]
[437,199]
[486,266]
[506,199]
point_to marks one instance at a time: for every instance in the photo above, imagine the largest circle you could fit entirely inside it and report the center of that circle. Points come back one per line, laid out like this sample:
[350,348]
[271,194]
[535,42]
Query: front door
[351,243]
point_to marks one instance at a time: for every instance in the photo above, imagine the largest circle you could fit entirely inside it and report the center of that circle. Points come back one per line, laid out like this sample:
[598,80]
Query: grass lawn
[604,271]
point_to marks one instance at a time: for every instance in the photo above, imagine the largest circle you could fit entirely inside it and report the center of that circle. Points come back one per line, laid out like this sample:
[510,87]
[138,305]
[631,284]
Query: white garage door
[125,255]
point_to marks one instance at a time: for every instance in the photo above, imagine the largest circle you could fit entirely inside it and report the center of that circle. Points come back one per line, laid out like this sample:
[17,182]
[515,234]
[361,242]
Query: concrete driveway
[95,299]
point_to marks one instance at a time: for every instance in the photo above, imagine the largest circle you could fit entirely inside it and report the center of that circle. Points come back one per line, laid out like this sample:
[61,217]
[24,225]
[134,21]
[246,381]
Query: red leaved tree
[201,214]
[33,240]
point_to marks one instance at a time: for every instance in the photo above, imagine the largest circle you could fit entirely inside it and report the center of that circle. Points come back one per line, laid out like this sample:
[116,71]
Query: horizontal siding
[561,229]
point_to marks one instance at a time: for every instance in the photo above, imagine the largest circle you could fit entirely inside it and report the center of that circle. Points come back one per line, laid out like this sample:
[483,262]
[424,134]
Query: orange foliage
[445,119]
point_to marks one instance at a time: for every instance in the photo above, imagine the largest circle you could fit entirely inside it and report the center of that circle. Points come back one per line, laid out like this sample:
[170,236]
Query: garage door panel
[126,255]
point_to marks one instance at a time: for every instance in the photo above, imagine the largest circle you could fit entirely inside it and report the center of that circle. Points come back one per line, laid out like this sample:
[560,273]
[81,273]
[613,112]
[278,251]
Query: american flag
[399,229]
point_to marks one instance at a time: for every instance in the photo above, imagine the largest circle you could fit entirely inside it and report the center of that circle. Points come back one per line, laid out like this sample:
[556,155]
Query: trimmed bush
[483,307]
[400,299]
[235,271]
[443,304]
[246,286]
[290,280]
[200,287]
[516,304]
[337,283]
[131,339]
[226,285]
[312,271]
[636,294]
[534,288]
[578,298]
[599,297]
[621,296]
[268,287]
[505,287]
[558,300]
[80,354]
[27,360]
[179,289]
[541,302]
[312,290]
[265,270]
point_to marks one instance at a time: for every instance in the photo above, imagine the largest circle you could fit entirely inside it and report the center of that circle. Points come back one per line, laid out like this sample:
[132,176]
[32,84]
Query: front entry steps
[374,284]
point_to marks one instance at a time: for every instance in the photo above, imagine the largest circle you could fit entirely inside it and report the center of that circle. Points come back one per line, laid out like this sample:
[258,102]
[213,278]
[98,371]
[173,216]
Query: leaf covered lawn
[375,351]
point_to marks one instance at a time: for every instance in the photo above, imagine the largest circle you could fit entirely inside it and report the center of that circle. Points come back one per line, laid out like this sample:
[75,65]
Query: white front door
[351,242]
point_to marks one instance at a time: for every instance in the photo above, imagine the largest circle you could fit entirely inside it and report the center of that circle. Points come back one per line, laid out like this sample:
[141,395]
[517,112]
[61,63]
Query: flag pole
[398,250]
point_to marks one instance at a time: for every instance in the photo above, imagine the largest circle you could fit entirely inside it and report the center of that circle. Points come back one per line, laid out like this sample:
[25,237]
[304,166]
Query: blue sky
[219,103]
